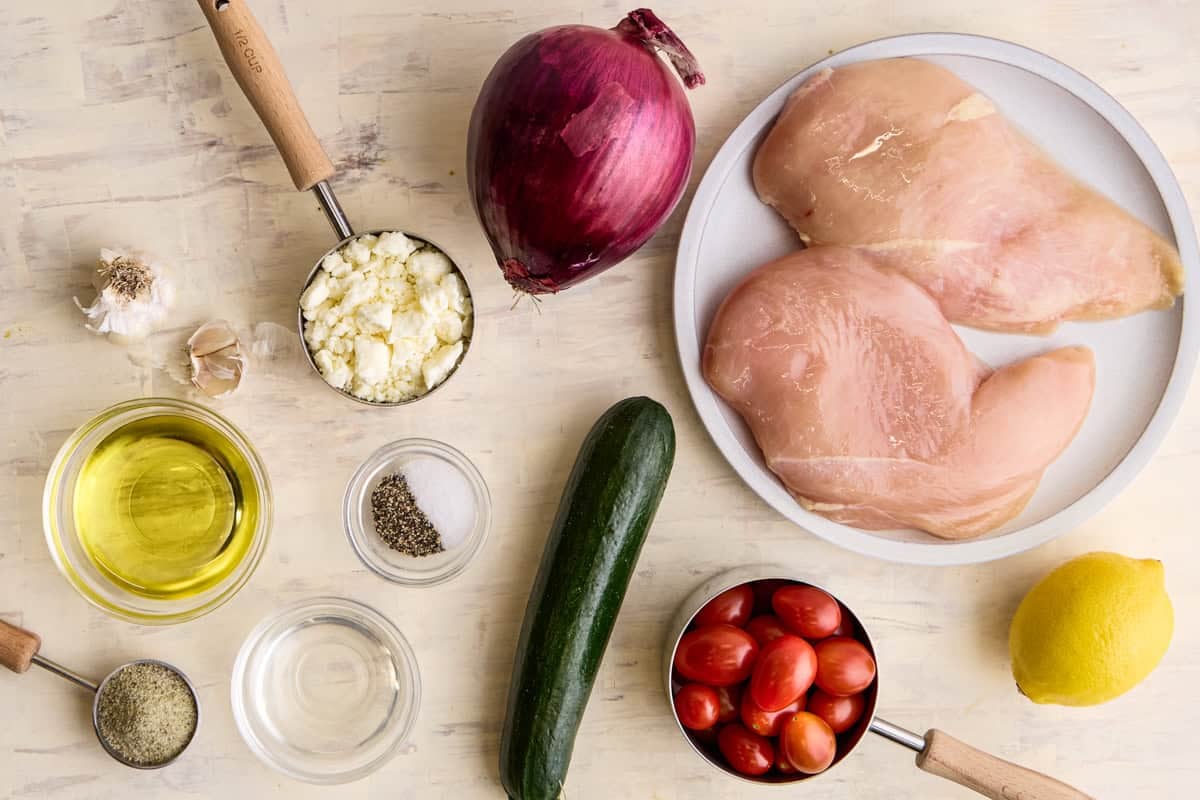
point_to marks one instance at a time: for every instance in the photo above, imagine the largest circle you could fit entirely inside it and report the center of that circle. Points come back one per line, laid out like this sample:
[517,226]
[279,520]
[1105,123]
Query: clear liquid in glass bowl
[325,691]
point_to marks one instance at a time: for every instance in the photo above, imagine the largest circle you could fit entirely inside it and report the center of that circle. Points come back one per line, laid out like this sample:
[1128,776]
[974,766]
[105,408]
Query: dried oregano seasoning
[146,714]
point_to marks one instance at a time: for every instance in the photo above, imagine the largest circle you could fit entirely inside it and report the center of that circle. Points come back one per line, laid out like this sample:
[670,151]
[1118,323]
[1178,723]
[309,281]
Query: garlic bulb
[132,297]
[218,362]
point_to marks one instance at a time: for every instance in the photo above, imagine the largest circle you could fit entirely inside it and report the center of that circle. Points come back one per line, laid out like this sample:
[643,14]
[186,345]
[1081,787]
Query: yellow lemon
[1091,630]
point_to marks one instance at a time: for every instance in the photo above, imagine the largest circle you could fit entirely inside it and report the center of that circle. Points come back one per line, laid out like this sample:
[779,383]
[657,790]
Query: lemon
[1091,630]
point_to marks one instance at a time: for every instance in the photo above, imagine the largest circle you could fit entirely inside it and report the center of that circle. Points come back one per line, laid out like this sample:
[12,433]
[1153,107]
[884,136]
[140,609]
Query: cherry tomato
[846,626]
[782,765]
[768,723]
[844,666]
[730,698]
[839,712]
[746,751]
[718,655]
[763,590]
[765,629]
[808,743]
[707,737]
[784,672]
[731,607]
[807,611]
[697,706]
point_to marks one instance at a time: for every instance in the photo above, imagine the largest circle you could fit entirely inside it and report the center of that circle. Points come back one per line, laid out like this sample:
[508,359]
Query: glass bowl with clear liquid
[157,510]
[325,690]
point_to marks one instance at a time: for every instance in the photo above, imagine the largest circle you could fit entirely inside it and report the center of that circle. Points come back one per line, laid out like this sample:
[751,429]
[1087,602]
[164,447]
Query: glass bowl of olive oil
[157,510]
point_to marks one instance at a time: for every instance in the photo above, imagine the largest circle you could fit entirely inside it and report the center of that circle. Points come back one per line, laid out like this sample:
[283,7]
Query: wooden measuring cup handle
[17,647]
[988,775]
[256,67]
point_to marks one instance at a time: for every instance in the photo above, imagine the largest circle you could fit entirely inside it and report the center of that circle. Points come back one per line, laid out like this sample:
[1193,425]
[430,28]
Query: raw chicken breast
[871,410]
[905,160]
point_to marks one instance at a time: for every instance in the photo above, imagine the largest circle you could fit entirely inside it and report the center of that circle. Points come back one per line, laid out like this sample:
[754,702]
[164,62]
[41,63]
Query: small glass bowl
[325,690]
[360,523]
[69,553]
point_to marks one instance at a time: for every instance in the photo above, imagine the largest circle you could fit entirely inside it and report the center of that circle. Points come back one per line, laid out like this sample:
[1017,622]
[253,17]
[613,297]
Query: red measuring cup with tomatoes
[772,679]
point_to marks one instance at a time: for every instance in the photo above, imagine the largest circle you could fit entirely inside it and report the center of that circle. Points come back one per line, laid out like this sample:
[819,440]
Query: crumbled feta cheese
[456,292]
[323,360]
[429,265]
[438,365]
[408,353]
[321,312]
[361,292]
[335,265]
[396,244]
[337,290]
[408,323]
[340,374]
[393,268]
[316,334]
[375,317]
[449,327]
[357,252]
[334,369]
[371,359]
[386,317]
[397,290]
[433,298]
[428,341]
[317,291]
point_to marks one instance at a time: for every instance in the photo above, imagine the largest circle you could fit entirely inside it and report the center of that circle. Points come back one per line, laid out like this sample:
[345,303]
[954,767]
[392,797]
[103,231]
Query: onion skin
[580,147]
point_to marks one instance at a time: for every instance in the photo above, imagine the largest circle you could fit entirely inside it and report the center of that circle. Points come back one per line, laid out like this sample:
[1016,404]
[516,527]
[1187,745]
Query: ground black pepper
[399,522]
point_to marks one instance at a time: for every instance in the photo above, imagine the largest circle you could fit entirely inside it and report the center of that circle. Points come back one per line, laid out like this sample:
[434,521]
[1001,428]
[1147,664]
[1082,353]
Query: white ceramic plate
[1143,362]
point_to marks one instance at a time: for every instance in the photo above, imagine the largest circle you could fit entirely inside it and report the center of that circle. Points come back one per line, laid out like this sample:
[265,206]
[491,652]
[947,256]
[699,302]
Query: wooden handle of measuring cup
[992,777]
[17,647]
[256,67]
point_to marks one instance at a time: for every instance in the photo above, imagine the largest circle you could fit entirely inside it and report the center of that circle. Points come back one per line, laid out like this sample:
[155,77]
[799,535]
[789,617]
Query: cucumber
[606,509]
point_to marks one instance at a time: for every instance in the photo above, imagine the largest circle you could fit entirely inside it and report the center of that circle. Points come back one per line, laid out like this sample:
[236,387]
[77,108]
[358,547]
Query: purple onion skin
[580,146]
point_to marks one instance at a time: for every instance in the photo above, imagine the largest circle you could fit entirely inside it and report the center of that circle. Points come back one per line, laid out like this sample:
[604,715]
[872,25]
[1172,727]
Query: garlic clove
[211,337]
[220,373]
[218,363]
[225,364]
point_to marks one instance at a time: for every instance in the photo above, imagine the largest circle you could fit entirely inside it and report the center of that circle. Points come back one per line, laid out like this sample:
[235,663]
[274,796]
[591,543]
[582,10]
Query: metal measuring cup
[938,753]
[19,649]
[258,71]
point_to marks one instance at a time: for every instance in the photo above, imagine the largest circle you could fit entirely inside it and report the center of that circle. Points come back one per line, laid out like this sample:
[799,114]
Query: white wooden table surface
[120,125]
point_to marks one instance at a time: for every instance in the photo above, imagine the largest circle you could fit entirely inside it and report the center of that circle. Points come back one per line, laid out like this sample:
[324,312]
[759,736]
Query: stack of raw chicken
[921,206]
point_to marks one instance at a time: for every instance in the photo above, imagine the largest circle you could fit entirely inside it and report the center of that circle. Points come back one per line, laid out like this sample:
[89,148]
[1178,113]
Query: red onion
[580,146]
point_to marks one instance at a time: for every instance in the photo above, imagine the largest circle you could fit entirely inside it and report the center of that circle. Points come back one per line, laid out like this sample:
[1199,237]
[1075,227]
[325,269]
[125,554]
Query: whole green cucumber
[606,509]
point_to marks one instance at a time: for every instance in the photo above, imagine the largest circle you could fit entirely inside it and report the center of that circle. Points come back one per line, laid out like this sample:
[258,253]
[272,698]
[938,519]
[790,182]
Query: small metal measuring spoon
[19,649]
[258,71]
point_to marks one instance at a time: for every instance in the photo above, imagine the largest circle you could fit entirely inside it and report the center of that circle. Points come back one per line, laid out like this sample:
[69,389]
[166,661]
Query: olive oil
[166,506]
